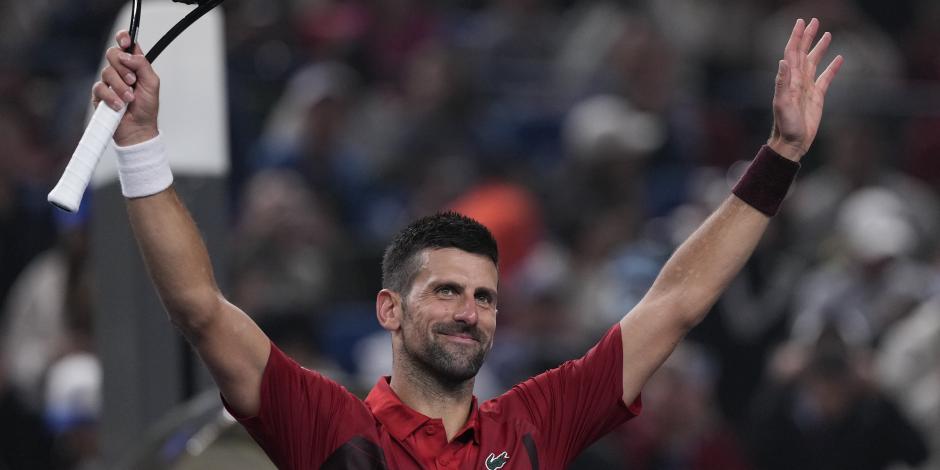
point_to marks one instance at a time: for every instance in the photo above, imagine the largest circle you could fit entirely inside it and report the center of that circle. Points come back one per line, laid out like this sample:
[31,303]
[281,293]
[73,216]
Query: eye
[484,300]
[446,291]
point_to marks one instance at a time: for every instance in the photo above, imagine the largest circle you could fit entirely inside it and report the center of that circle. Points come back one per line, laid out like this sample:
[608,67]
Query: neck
[433,398]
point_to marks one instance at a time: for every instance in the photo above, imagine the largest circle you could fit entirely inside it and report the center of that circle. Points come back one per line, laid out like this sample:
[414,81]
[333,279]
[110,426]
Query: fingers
[124,72]
[123,39]
[101,92]
[819,51]
[116,81]
[140,67]
[822,83]
[113,56]
[791,53]
[808,35]
[111,78]
[783,77]
[798,55]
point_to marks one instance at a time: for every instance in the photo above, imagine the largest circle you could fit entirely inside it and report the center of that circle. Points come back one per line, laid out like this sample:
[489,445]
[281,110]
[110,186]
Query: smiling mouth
[463,338]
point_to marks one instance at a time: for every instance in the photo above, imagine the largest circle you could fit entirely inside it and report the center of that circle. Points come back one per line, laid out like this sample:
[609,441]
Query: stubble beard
[450,365]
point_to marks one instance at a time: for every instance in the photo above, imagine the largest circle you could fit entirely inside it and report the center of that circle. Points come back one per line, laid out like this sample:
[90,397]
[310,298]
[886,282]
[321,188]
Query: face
[449,315]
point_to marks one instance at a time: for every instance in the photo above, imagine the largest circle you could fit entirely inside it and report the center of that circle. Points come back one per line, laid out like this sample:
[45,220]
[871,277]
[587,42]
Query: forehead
[455,265]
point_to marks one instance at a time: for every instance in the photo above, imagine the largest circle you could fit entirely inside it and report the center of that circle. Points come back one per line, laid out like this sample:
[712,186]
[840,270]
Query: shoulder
[291,390]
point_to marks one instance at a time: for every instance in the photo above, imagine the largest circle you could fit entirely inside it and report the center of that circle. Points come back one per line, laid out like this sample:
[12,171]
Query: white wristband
[143,168]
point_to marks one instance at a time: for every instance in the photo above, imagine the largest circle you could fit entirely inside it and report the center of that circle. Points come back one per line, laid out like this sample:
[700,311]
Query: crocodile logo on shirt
[496,462]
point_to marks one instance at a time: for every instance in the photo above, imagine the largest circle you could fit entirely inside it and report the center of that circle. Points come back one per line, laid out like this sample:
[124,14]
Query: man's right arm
[228,341]
[233,347]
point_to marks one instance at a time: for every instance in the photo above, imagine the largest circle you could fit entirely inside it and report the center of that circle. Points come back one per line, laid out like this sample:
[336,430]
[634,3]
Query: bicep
[235,351]
[649,334]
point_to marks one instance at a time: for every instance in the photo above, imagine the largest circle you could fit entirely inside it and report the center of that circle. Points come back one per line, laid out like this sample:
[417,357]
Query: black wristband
[766,181]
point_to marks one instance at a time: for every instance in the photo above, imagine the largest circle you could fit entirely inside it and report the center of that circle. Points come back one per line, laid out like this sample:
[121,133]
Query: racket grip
[67,193]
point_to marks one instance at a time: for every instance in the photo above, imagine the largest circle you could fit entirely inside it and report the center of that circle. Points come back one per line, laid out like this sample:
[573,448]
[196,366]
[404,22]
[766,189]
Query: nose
[467,311]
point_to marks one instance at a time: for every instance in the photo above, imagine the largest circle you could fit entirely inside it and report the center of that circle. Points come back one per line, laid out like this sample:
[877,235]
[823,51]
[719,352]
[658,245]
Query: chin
[456,366]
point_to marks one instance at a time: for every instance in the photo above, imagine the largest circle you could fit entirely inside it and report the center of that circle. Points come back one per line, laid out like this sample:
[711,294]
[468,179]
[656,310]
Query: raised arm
[703,265]
[229,342]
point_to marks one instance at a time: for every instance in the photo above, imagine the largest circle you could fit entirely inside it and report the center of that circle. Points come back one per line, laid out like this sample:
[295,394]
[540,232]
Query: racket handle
[67,194]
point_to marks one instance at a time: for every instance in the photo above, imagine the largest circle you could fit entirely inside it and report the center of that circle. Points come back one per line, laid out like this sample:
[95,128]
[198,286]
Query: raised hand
[799,94]
[129,79]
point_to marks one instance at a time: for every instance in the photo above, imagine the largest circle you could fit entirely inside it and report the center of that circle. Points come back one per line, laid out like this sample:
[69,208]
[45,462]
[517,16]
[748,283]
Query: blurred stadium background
[591,136]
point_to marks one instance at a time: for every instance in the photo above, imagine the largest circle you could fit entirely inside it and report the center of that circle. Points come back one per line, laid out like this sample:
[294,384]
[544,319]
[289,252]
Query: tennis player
[439,304]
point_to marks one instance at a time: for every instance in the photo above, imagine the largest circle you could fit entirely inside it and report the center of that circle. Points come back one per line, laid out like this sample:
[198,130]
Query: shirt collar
[401,421]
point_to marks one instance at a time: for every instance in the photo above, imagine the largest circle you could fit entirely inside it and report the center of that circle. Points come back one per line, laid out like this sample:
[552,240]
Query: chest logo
[496,462]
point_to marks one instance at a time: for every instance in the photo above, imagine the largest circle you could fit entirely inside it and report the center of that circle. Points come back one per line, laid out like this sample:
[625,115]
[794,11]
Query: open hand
[799,94]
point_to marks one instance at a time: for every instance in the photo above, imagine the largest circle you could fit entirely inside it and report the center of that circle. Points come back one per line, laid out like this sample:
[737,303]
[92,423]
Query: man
[439,303]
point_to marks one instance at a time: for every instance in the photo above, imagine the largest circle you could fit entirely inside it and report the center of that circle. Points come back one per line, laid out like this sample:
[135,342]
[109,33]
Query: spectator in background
[706,31]
[907,365]
[857,153]
[48,312]
[642,68]
[25,222]
[511,44]
[601,204]
[73,409]
[308,132]
[435,156]
[25,441]
[47,330]
[397,30]
[872,281]
[921,45]
[286,245]
[826,414]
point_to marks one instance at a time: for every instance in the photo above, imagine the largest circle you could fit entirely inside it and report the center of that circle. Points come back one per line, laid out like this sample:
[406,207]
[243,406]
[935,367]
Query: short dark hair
[442,230]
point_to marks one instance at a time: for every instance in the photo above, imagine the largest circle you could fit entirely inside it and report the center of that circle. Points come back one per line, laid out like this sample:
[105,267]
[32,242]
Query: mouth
[461,338]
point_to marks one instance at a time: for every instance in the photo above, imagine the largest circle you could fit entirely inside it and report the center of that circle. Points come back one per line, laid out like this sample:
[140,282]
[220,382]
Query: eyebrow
[451,284]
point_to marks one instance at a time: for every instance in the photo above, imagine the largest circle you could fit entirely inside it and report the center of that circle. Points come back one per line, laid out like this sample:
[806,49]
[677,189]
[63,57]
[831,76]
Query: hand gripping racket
[67,193]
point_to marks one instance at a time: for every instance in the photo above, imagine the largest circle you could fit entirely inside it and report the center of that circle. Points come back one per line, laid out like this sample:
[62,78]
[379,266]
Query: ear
[388,309]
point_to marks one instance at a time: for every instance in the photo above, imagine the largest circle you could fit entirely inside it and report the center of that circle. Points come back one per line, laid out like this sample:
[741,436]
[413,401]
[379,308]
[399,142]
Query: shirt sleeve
[303,416]
[576,403]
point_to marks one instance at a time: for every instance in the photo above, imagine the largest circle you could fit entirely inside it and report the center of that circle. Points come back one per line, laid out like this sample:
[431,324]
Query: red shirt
[307,421]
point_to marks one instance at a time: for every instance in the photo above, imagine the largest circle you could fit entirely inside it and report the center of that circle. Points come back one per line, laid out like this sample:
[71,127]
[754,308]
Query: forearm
[703,266]
[234,349]
[176,258]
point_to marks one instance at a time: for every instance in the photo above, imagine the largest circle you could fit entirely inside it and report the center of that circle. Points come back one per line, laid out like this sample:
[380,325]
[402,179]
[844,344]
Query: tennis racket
[67,193]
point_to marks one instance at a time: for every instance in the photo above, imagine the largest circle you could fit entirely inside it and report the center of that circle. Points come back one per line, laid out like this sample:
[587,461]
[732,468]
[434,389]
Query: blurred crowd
[591,137]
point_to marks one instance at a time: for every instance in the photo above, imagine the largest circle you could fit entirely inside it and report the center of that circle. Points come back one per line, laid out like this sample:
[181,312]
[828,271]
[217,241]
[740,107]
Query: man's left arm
[708,260]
